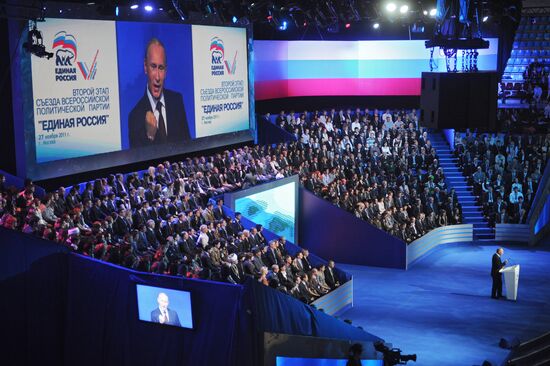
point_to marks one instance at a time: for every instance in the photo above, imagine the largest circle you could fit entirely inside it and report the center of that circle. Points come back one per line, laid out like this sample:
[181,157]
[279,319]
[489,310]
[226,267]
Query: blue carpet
[441,308]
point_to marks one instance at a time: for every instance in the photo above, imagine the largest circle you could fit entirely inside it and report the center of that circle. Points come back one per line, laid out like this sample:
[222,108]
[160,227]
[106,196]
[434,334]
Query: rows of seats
[531,43]
[163,220]
[375,164]
[505,170]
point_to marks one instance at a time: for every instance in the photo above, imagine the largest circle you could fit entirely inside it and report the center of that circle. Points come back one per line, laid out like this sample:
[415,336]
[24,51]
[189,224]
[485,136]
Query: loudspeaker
[459,100]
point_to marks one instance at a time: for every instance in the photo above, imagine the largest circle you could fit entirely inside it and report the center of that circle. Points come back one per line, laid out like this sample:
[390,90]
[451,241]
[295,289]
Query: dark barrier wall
[333,233]
[60,308]
[33,277]
[269,133]
[65,309]
[105,330]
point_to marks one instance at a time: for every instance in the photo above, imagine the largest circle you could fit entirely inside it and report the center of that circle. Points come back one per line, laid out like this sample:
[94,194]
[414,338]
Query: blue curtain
[59,308]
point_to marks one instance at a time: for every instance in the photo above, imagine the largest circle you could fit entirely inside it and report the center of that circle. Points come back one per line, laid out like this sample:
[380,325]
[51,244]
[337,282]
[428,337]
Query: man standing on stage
[497,265]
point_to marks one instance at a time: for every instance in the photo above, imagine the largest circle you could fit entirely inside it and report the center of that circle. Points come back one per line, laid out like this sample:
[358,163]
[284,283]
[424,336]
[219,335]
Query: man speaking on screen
[159,116]
[163,314]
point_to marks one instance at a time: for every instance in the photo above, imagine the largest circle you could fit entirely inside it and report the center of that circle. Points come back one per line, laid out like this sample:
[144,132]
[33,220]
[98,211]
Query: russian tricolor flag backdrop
[344,68]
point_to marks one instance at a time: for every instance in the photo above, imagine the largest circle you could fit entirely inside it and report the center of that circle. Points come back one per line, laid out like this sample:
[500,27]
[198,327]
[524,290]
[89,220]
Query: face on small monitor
[164,306]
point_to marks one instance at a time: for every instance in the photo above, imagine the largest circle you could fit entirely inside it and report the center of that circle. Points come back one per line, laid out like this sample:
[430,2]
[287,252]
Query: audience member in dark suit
[159,116]
[497,265]
[330,276]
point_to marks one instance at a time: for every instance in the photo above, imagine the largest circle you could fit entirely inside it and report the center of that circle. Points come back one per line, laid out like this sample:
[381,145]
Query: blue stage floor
[441,308]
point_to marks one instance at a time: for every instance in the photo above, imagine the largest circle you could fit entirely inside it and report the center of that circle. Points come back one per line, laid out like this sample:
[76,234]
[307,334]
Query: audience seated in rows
[504,170]
[375,164]
[165,222]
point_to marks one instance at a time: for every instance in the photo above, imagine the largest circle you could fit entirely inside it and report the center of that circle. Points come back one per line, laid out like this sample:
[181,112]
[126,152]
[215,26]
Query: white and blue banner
[220,80]
[75,94]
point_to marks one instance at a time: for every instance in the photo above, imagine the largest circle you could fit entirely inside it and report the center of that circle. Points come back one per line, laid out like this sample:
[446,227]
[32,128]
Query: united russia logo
[219,63]
[66,59]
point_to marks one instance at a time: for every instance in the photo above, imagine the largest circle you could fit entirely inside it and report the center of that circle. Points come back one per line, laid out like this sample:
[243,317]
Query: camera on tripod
[393,356]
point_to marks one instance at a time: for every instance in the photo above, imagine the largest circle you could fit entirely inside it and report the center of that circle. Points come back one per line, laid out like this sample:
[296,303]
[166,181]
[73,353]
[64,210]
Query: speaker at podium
[511,280]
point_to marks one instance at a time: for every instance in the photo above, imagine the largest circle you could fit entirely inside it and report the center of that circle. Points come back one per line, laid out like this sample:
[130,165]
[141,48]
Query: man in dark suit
[163,314]
[159,116]
[497,265]
[330,275]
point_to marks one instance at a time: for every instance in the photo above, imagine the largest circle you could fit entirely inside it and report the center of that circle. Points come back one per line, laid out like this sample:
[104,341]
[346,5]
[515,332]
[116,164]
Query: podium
[511,279]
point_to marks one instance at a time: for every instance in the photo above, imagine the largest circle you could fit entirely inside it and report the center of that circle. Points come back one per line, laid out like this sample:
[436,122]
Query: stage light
[403,9]
[283,25]
[148,8]
[116,11]
[134,6]
[234,19]
[376,25]
[348,25]
[425,12]
[485,18]
[433,12]
[391,7]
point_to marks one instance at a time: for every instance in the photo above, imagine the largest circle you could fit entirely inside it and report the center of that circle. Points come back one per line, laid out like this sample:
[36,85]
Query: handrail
[442,235]
[544,181]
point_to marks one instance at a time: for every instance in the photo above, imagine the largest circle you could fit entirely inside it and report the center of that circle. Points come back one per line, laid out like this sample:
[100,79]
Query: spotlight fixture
[404,9]
[134,6]
[485,18]
[433,12]
[35,42]
[148,8]
[348,25]
[391,7]
[376,25]
[283,25]
[234,19]
[425,12]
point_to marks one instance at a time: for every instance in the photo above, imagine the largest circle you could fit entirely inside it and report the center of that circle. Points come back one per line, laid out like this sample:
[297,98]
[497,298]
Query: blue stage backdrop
[334,233]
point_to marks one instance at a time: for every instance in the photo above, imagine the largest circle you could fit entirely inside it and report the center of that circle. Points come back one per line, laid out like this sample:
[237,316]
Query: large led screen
[326,68]
[120,92]
[274,205]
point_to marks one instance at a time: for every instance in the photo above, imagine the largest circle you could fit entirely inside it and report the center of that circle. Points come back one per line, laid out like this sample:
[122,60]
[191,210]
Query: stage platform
[441,308]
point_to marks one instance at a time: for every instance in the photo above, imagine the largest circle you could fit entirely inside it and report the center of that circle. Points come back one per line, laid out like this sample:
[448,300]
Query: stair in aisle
[472,212]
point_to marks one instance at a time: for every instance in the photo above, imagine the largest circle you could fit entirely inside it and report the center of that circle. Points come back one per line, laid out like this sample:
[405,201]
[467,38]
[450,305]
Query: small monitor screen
[274,208]
[164,306]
